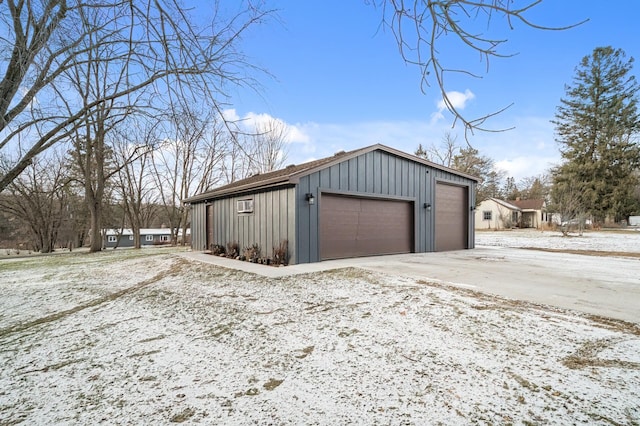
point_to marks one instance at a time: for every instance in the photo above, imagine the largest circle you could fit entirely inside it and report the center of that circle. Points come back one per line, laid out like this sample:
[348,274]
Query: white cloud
[457,99]
[526,166]
[230,115]
[251,120]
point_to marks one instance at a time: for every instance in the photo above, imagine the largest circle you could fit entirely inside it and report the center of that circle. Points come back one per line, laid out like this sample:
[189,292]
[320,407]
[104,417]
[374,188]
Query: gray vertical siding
[272,221]
[284,213]
[375,173]
[199,226]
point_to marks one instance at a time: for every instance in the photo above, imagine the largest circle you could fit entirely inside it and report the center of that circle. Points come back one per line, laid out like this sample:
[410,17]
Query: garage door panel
[362,227]
[451,225]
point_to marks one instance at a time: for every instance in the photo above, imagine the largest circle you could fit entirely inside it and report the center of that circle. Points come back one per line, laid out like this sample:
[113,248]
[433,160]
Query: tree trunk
[95,210]
[185,217]
[135,228]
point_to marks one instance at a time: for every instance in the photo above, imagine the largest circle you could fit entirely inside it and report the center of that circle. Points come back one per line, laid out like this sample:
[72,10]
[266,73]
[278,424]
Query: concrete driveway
[607,286]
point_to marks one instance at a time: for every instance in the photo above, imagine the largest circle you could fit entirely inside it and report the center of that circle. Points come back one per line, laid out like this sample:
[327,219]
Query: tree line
[139,180]
[121,102]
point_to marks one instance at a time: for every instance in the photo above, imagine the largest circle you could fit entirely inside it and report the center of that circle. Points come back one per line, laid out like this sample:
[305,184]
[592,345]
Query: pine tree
[469,160]
[510,190]
[596,126]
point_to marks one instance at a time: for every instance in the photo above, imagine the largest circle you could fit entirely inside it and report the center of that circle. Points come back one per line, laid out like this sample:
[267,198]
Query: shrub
[281,253]
[252,253]
[233,249]
[217,249]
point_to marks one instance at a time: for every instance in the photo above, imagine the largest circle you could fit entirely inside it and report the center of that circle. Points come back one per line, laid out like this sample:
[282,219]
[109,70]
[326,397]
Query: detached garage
[371,201]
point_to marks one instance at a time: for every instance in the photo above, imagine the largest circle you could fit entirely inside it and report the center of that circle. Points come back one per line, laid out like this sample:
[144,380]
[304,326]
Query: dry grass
[588,252]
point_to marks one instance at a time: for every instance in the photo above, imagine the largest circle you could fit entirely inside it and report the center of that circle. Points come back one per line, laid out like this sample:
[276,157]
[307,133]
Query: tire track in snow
[174,267]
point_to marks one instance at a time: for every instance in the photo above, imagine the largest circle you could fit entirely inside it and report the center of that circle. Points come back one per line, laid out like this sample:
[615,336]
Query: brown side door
[352,227]
[452,217]
[209,226]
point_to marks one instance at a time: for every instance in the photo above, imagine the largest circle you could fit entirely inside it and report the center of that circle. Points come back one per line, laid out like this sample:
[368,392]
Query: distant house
[370,201]
[533,213]
[494,213]
[148,237]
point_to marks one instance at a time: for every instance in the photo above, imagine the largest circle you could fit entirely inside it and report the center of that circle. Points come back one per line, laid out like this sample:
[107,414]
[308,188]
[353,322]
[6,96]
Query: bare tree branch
[420,27]
[158,52]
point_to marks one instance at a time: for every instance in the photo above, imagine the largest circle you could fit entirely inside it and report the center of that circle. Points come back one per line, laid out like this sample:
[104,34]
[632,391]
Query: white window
[245,206]
[164,238]
[486,215]
[112,238]
[148,238]
[130,237]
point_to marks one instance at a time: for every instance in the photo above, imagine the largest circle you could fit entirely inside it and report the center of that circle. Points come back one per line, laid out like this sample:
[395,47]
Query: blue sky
[340,83]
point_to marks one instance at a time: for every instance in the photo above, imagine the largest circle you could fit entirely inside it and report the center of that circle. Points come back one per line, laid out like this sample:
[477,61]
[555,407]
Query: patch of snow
[597,241]
[197,343]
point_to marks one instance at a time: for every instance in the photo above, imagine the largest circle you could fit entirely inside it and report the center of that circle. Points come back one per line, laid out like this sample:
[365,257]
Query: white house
[533,212]
[496,214]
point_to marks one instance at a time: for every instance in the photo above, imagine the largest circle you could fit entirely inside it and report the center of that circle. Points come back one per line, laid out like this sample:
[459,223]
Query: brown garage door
[351,227]
[451,217]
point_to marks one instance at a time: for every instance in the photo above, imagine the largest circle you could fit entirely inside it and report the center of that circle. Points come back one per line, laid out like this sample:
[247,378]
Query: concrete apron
[606,286]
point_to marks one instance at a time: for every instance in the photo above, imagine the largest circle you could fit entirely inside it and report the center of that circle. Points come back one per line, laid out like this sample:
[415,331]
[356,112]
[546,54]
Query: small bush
[217,249]
[233,249]
[252,253]
[281,253]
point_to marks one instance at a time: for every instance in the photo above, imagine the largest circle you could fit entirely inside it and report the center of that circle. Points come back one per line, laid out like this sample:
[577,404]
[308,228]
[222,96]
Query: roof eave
[215,194]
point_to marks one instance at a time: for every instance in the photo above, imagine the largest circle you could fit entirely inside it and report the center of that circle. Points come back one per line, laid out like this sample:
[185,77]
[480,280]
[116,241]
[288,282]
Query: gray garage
[371,201]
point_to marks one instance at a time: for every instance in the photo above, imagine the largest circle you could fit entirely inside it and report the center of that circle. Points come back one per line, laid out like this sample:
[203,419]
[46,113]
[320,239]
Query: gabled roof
[292,174]
[528,204]
[505,204]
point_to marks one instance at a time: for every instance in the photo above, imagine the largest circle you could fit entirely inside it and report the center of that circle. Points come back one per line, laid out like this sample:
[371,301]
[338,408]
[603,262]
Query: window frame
[487,215]
[245,206]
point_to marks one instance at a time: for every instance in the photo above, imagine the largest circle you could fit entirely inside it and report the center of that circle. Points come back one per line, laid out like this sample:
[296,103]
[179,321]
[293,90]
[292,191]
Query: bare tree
[90,80]
[188,162]
[443,154]
[567,204]
[237,164]
[268,146]
[535,187]
[38,199]
[419,27]
[132,154]
[153,43]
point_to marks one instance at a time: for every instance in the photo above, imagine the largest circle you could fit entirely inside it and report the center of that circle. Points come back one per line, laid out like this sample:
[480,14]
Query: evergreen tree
[469,161]
[510,190]
[596,127]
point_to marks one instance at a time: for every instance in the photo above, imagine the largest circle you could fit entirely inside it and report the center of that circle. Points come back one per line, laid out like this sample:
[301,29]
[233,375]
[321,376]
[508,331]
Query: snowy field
[608,241]
[149,337]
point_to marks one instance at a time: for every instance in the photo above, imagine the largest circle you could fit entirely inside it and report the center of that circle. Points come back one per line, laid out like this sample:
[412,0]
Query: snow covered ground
[149,337]
[611,241]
